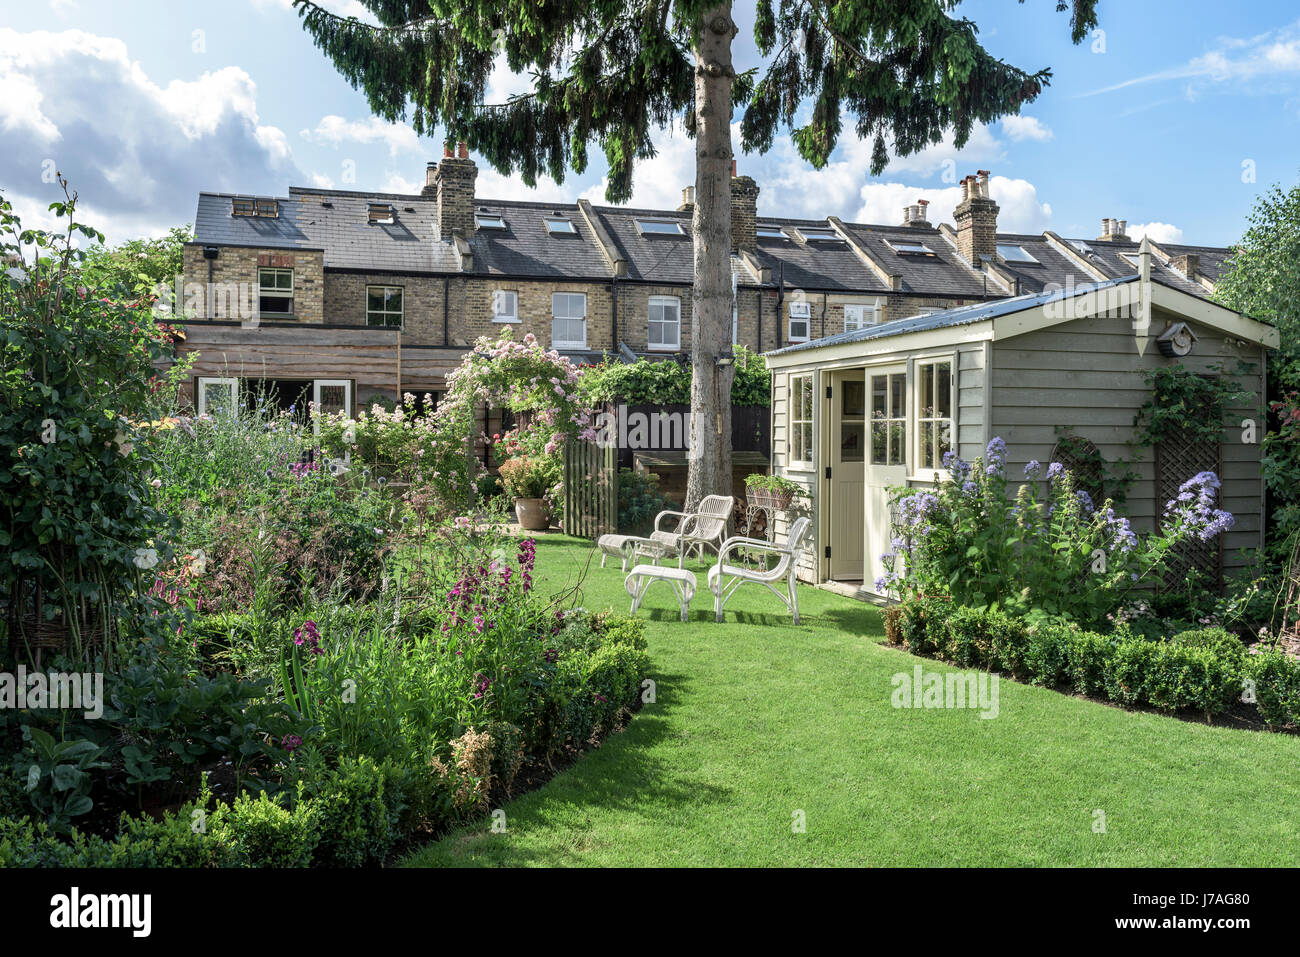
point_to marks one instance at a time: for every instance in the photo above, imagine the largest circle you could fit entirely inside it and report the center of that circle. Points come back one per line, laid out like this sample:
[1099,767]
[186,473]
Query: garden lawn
[756,719]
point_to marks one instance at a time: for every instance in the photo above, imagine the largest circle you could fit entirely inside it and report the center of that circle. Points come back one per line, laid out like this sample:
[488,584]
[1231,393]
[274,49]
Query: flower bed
[1204,670]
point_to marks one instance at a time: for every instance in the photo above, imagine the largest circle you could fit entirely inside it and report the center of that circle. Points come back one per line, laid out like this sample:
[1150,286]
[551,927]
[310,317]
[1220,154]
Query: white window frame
[561,226]
[275,292]
[663,302]
[919,456]
[868,314]
[569,343]
[500,298]
[401,313]
[489,221]
[891,419]
[802,311]
[201,392]
[316,386]
[801,434]
[648,227]
[735,322]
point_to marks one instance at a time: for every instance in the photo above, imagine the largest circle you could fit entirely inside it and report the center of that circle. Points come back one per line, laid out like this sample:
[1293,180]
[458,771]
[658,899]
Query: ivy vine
[1186,402]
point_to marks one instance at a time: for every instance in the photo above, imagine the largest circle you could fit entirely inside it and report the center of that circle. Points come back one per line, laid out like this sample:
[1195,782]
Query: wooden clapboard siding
[971,383]
[367,356]
[1087,376]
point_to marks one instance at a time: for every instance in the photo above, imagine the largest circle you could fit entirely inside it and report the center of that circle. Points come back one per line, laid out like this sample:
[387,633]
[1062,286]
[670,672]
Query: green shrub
[1086,657]
[24,843]
[1046,659]
[922,624]
[1218,640]
[1202,677]
[613,677]
[264,833]
[1276,677]
[353,816]
[1129,669]
[178,840]
[639,501]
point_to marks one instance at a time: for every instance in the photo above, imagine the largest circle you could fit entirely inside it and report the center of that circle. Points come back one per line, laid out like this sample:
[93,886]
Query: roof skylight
[380,212]
[911,249]
[659,227]
[558,224]
[771,232]
[254,206]
[489,221]
[819,234]
[1015,254]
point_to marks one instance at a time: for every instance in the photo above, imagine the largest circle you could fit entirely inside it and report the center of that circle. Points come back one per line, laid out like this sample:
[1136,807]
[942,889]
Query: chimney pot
[446,152]
[462,150]
[688,197]
[733,168]
[977,219]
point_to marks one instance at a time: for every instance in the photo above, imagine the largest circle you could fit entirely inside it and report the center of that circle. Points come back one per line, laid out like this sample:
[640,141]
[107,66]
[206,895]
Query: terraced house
[342,296]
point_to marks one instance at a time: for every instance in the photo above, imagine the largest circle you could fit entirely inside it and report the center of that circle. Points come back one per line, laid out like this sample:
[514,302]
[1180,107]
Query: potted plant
[771,491]
[527,480]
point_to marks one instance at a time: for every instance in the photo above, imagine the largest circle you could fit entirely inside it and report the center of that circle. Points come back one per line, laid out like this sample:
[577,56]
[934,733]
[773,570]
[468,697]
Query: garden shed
[1059,375]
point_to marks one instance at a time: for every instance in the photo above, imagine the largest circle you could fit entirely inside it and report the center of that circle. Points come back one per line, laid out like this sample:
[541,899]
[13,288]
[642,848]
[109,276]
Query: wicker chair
[724,578]
[706,526]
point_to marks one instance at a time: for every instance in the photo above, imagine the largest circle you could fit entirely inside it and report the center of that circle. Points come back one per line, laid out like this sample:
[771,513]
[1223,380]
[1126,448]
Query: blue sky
[1174,118]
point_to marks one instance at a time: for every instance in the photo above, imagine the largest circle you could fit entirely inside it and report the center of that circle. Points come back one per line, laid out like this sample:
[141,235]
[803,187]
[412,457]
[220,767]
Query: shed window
[933,413]
[665,323]
[889,419]
[275,291]
[384,306]
[801,420]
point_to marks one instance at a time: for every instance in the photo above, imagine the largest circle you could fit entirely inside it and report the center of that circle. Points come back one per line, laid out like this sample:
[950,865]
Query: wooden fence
[590,489]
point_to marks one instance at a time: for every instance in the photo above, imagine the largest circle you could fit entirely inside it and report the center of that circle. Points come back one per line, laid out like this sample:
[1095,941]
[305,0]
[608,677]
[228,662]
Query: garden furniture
[627,547]
[641,577]
[725,578]
[707,525]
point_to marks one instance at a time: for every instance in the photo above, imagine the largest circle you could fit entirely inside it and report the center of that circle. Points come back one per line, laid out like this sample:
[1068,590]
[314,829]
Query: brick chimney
[977,219]
[1113,231]
[452,182]
[744,211]
[915,215]
[1189,265]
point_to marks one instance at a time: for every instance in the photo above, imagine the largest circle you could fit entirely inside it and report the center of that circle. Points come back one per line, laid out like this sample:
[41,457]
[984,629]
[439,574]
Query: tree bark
[710,454]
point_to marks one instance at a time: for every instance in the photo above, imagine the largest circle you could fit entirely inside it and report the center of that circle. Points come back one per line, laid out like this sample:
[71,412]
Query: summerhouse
[1060,375]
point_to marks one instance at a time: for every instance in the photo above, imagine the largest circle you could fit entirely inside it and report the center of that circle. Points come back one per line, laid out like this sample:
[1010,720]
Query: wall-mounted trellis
[1083,460]
[1178,457]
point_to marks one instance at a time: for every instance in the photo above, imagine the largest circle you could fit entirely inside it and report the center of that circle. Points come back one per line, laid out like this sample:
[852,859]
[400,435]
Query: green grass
[756,719]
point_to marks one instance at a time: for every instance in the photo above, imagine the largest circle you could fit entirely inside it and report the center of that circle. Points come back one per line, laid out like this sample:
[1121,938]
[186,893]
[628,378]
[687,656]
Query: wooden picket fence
[590,489]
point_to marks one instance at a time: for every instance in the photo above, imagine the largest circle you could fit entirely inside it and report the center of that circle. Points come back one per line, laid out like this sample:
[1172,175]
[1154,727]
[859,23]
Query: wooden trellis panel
[1178,458]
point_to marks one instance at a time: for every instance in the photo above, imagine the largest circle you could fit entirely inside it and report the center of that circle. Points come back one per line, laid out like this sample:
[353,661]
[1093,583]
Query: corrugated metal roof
[948,318]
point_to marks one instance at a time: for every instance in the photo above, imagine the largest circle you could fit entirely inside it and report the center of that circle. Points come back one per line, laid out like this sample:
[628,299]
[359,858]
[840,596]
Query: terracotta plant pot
[532,514]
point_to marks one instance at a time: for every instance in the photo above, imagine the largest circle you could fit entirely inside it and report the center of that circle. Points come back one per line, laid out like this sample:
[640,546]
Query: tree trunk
[710,455]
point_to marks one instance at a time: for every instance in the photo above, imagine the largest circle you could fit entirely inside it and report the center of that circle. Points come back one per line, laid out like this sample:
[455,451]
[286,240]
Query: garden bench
[626,547]
[641,577]
[725,578]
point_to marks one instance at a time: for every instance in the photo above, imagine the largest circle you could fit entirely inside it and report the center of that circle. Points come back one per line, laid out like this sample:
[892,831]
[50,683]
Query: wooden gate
[1178,457]
[590,488]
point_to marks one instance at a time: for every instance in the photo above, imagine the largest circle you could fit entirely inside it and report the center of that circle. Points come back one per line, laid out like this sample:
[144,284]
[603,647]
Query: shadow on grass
[621,774]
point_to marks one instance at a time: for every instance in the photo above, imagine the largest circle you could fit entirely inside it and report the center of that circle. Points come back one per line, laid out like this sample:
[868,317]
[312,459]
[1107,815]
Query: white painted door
[846,447]
[886,467]
[216,395]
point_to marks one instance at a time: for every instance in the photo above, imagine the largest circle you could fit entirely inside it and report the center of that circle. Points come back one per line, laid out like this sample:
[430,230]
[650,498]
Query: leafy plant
[528,477]
[56,775]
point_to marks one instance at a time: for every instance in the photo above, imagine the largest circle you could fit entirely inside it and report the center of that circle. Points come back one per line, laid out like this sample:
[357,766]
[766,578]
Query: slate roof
[958,316]
[336,222]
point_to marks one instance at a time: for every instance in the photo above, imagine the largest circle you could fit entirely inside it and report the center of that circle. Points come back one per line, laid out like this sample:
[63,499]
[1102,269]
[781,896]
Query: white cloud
[138,153]
[334,131]
[657,183]
[344,8]
[1233,60]
[1017,199]
[1159,232]
[1021,128]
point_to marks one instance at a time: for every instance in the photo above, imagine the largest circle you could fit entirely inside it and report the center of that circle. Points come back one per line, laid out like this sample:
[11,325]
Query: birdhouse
[1177,340]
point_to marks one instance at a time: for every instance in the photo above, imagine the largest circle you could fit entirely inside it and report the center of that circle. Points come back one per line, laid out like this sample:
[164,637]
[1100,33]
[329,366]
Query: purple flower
[1033,469]
[291,742]
[1054,471]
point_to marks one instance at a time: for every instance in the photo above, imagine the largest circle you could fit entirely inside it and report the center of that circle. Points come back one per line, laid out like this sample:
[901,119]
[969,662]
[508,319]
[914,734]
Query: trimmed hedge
[1205,670]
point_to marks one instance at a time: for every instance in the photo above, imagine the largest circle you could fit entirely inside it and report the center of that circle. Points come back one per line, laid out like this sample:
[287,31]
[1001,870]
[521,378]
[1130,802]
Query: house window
[489,221]
[214,396]
[889,419]
[859,315]
[569,320]
[275,291]
[800,321]
[933,413]
[384,306]
[505,306]
[665,323]
[801,416]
